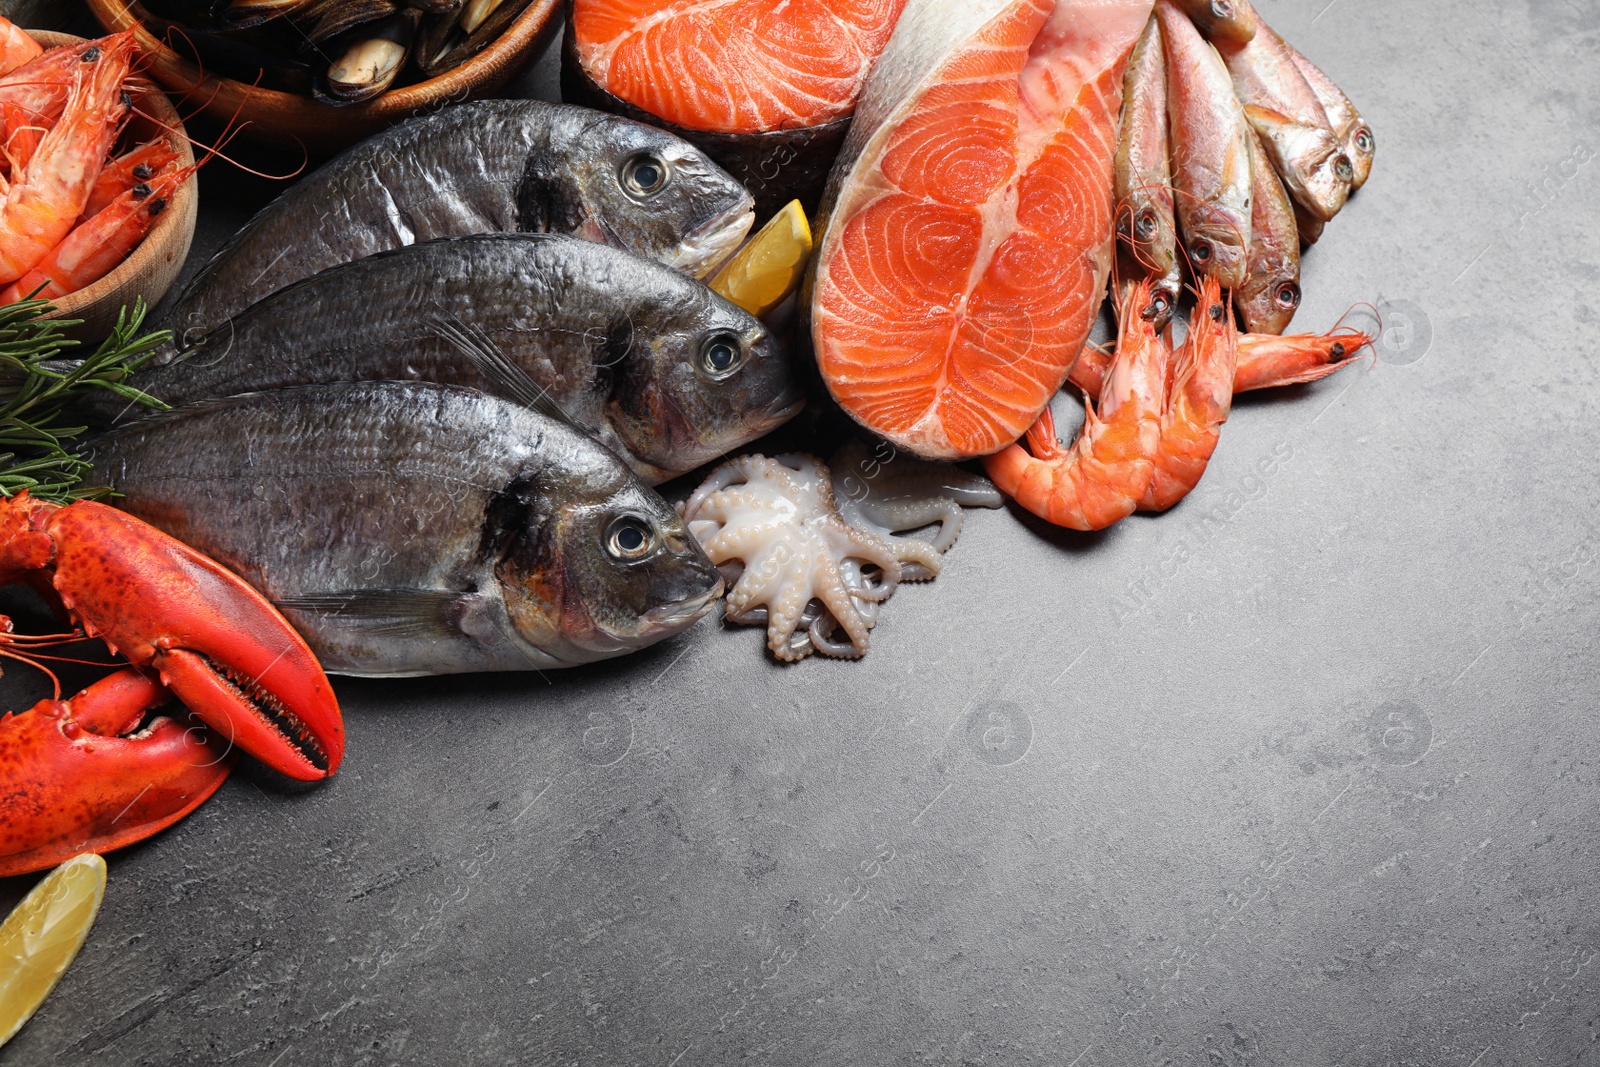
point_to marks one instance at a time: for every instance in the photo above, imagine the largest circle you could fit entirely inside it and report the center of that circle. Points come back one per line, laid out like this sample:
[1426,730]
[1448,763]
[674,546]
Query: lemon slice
[40,939]
[764,272]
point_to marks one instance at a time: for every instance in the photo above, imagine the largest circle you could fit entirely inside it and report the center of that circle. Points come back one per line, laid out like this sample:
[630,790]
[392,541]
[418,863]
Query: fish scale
[408,528]
[617,342]
[488,166]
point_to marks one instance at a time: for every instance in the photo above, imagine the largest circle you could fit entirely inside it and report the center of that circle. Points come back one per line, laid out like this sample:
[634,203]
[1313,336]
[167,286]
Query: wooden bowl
[153,266]
[293,121]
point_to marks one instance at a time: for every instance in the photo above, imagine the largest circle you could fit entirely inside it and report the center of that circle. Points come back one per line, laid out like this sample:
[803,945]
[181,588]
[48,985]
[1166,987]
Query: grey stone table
[1302,773]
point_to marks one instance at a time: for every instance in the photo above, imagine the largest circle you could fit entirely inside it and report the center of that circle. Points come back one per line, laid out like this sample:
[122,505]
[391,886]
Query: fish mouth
[789,404]
[703,251]
[674,618]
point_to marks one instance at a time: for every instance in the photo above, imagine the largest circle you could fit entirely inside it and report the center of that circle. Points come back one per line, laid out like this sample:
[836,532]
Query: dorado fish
[970,233]
[1210,152]
[663,371]
[412,529]
[494,165]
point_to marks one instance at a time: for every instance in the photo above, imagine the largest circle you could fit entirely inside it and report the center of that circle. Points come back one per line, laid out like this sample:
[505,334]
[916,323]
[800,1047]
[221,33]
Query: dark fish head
[660,197]
[709,379]
[600,567]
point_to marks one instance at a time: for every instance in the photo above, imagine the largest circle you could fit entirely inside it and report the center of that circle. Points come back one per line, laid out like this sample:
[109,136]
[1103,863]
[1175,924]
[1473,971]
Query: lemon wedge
[767,269]
[43,935]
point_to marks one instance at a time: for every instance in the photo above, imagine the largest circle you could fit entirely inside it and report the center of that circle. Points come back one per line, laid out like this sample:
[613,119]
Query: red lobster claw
[75,781]
[216,643]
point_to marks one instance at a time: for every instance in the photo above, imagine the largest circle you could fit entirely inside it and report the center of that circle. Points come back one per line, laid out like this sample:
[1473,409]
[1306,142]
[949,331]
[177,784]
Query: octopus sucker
[814,571]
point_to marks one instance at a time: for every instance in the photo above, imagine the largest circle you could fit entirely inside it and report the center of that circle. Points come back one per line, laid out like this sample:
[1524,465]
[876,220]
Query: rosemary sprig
[38,381]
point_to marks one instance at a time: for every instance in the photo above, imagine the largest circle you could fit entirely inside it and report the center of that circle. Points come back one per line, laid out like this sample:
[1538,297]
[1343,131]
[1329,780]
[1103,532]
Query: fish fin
[386,612]
[479,348]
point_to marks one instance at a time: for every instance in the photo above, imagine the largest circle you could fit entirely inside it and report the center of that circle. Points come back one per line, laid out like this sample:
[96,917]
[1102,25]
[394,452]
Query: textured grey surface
[1301,773]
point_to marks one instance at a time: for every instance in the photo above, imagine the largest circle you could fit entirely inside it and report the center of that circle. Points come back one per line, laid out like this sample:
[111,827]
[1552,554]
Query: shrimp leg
[1102,477]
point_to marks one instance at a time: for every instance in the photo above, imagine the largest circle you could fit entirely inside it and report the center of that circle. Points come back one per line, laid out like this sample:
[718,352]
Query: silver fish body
[483,167]
[1147,237]
[1271,292]
[413,529]
[660,369]
[1292,122]
[1360,144]
[1210,152]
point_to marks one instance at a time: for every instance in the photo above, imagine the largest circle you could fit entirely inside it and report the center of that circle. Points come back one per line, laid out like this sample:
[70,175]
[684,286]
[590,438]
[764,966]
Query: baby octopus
[773,528]
[809,563]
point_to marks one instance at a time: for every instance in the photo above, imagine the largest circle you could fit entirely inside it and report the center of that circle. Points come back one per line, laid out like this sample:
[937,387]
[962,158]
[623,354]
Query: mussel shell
[335,18]
[381,49]
[246,14]
[247,55]
[447,46]
[434,7]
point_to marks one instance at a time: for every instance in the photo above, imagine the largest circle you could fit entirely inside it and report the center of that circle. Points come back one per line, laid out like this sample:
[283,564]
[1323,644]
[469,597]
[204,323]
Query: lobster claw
[79,779]
[221,648]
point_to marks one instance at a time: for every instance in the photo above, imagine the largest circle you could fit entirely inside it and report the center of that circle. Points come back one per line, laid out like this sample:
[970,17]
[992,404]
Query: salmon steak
[969,219]
[734,66]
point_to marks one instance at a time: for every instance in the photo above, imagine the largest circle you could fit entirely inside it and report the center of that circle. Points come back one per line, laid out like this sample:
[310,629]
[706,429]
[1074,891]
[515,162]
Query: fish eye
[1343,168]
[1147,225]
[1288,296]
[1222,9]
[644,176]
[1201,250]
[631,539]
[721,355]
[1364,139]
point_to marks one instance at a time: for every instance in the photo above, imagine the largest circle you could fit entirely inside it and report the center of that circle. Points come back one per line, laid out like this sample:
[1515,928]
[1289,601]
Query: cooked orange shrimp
[97,247]
[1265,361]
[126,171]
[1198,400]
[38,88]
[16,47]
[45,199]
[1101,478]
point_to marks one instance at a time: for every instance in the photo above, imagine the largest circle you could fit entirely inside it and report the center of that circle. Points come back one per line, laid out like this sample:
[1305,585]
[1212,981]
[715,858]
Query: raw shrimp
[97,247]
[1266,361]
[1102,477]
[126,171]
[16,47]
[1198,400]
[44,200]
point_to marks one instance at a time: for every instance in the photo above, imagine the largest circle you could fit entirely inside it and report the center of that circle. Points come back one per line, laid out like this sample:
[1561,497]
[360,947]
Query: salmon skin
[664,372]
[969,219]
[494,165]
[734,66]
[410,529]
